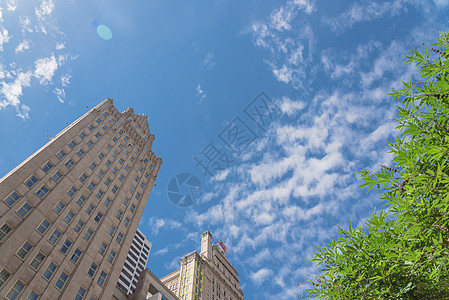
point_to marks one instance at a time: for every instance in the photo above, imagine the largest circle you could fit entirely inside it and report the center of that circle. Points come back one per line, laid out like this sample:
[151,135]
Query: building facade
[205,276]
[69,212]
[135,262]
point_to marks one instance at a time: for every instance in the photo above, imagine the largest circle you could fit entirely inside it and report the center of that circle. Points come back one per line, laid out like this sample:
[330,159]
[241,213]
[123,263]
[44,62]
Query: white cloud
[156,224]
[4,37]
[200,92]
[25,23]
[60,46]
[291,107]
[23,46]
[260,276]
[43,12]
[11,5]
[45,68]
[12,92]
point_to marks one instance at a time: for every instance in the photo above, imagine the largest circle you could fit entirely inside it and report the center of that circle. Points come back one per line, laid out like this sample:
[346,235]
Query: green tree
[403,251]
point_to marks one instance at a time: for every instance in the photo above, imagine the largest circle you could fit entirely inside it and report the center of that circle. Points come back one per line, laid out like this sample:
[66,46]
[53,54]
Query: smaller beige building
[205,276]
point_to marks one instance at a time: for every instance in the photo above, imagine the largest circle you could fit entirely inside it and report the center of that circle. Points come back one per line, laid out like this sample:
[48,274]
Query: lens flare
[104,32]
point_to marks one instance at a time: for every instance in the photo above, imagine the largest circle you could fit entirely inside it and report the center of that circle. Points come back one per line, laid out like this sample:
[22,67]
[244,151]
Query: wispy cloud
[23,46]
[4,37]
[200,93]
[261,275]
[209,60]
[43,12]
[156,224]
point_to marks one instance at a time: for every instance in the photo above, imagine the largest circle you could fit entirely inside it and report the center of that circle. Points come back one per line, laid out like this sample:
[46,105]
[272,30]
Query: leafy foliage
[402,252]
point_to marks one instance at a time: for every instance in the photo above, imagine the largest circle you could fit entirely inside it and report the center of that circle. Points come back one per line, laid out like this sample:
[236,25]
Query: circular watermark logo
[184,189]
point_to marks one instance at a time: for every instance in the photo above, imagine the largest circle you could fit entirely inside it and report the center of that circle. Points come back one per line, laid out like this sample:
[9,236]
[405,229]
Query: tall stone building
[135,262]
[69,212]
[205,276]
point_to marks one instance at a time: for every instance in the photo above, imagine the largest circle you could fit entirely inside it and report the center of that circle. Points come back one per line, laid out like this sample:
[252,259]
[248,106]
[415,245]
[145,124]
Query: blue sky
[195,68]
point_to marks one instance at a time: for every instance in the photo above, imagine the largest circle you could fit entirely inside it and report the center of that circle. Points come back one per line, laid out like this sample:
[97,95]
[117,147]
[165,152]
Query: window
[81,293]
[142,185]
[132,208]
[132,189]
[42,228]
[138,195]
[120,131]
[50,271]
[62,279]
[76,255]
[66,246]
[132,159]
[112,230]
[100,174]
[105,128]
[80,153]
[119,238]
[72,144]
[37,261]
[69,163]
[126,222]
[33,296]
[89,143]
[136,179]
[24,250]
[82,135]
[126,138]
[114,154]
[105,114]
[126,152]
[69,217]
[98,216]
[4,230]
[31,181]
[93,269]
[127,168]
[83,177]
[11,199]
[81,200]
[42,191]
[97,135]
[147,175]
[16,290]
[4,276]
[55,236]
[114,139]
[121,161]
[141,169]
[114,171]
[59,207]
[47,166]
[93,297]
[90,127]
[102,278]
[24,210]
[121,178]
[91,186]
[108,163]
[88,234]
[60,154]
[99,194]
[120,146]
[111,256]
[119,214]
[103,248]
[72,191]
[56,176]
[90,208]
[107,202]
[126,201]
[114,189]
[98,120]
[107,181]
[108,147]
[79,225]
[92,166]
[100,155]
